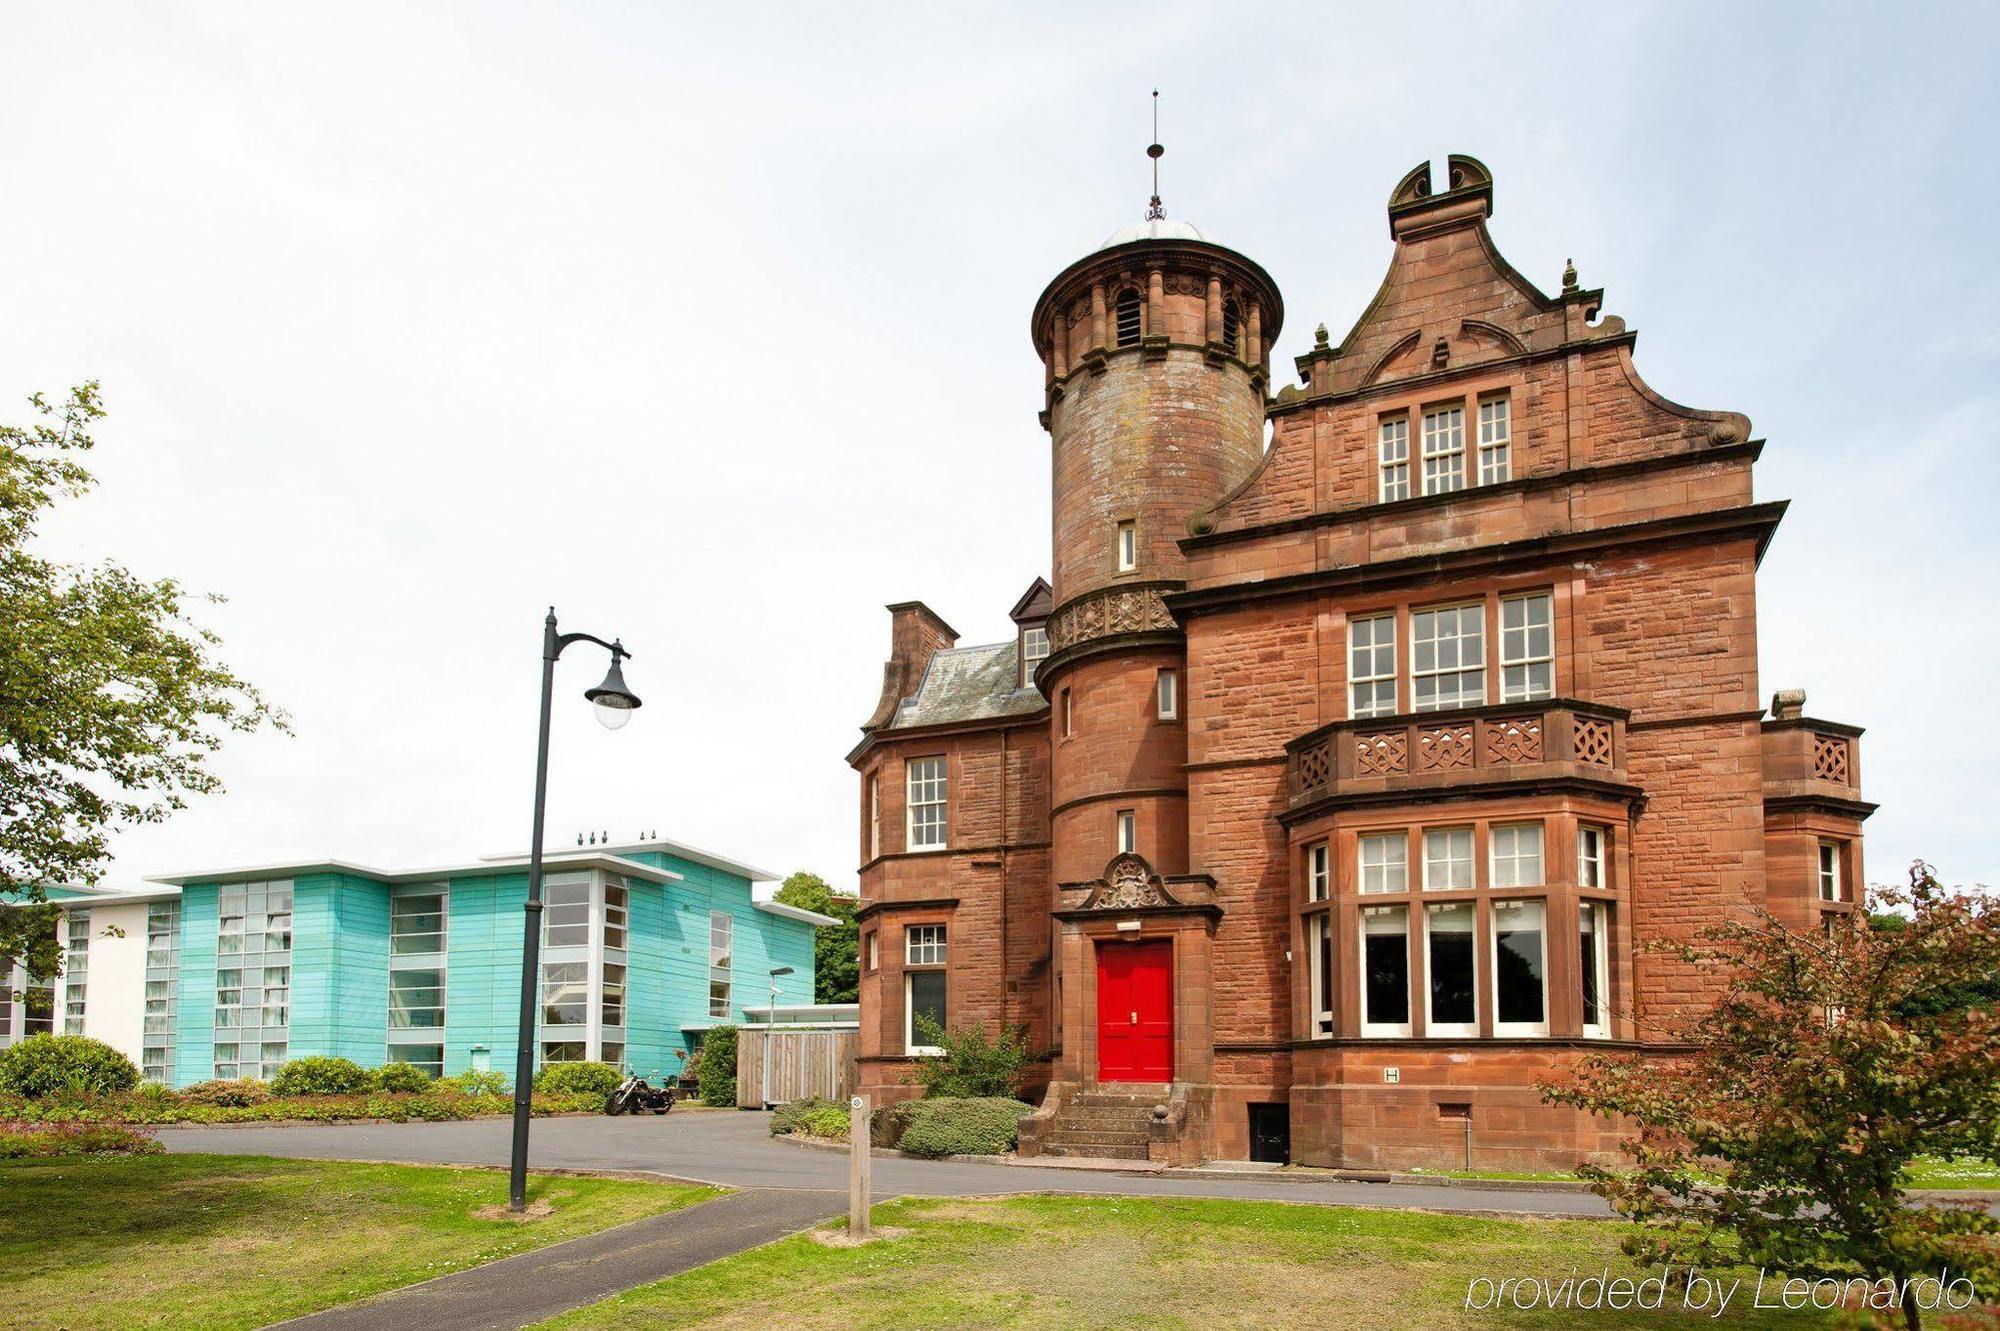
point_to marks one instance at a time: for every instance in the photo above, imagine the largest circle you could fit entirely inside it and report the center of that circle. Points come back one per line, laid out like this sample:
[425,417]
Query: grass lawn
[1038,1262]
[237,1241]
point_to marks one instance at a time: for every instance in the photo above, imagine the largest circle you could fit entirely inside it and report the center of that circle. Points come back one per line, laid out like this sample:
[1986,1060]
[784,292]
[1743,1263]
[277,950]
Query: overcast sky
[709,326]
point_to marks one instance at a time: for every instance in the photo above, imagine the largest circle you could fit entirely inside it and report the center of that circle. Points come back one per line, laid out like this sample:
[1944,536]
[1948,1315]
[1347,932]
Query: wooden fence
[802,1063]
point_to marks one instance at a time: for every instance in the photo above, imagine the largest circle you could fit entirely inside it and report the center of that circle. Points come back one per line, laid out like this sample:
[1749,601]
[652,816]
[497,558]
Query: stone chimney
[916,634]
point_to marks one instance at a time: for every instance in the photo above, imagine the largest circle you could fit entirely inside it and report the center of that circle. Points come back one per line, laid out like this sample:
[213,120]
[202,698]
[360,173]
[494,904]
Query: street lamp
[770,1027]
[615,704]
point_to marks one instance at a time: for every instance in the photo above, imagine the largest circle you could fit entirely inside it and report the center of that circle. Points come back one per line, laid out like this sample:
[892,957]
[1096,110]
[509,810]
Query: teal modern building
[229,973]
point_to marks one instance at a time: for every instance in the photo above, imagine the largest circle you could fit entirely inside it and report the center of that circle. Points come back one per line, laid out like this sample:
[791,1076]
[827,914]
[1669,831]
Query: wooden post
[857,1171]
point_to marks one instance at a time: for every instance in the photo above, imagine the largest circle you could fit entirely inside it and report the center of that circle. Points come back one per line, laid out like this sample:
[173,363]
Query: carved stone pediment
[1128,884]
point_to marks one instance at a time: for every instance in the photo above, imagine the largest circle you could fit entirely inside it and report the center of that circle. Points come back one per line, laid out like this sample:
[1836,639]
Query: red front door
[1135,1011]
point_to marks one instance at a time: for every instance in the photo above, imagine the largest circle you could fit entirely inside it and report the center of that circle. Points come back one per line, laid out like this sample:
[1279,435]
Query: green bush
[973,1065]
[318,1074]
[718,1067]
[21,1141]
[599,1079]
[987,1125]
[228,1094]
[814,1116]
[64,1065]
[474,1082]
[407,1077]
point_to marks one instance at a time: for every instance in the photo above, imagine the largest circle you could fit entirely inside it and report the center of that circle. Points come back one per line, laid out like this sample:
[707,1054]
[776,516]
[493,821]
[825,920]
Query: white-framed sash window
[928,803]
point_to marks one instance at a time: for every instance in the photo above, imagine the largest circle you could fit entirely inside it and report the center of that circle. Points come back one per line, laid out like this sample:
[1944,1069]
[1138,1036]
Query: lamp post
[614,704]
[770,1026]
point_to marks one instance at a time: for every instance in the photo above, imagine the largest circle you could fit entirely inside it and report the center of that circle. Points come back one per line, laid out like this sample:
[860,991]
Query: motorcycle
[636,1095]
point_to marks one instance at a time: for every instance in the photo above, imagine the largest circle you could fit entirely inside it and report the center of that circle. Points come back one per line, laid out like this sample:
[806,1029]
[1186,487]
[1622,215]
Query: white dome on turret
[1157,228]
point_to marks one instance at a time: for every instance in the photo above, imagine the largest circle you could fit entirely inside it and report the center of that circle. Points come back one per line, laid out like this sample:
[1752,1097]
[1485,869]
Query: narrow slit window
[1128,546]
[1829,871]
[1593,968]
[1319,872]
[1232,322]
[1319,958]
[1169,698]
[1495,440]
[1128,831]
[1128,317]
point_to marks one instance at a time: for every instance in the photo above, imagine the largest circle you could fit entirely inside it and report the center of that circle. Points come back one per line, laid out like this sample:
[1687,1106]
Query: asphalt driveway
[735,1149]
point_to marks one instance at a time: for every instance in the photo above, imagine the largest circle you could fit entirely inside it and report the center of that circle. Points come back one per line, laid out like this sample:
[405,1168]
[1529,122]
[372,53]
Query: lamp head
[614,702]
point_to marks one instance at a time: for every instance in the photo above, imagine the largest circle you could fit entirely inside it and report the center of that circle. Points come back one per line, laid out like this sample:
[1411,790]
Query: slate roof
[969,684]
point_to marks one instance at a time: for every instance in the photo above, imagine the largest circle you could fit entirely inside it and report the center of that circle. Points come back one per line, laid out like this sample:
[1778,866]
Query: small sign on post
[857,1172]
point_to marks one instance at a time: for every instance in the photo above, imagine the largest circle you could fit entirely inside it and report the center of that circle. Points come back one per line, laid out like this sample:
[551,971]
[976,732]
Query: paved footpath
[519,1290]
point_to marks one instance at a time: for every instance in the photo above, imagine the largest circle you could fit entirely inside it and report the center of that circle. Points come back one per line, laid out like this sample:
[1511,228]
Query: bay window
[1520,990]
[1385,862]
[1594,968]
[1829,871]
[1447,859]
[1319,965]
[1385,970]
[924,986]
[1516,852]
[1448,963]
[1590,856]
[586,928]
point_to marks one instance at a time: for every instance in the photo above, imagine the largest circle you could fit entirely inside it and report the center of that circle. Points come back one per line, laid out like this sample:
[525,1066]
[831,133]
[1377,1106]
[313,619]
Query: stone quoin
[1326,797]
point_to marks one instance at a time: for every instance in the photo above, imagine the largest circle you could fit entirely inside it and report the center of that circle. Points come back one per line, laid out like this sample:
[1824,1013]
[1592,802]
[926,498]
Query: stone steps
[1095,1152]
[1105,1124]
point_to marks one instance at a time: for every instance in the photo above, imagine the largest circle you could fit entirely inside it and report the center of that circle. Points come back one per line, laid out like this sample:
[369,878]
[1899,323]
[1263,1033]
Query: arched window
[1232,319]
[1128,318]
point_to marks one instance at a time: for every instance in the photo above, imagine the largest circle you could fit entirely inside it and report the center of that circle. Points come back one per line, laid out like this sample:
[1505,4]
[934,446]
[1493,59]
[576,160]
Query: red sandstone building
[1326,799]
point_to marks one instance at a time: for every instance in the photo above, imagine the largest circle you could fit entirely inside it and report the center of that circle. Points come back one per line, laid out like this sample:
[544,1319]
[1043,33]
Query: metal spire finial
[1154,210]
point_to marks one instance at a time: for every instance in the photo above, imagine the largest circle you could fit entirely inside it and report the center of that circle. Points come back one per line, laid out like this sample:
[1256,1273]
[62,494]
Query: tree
[1835,1059]
[836,964]
[112,702]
